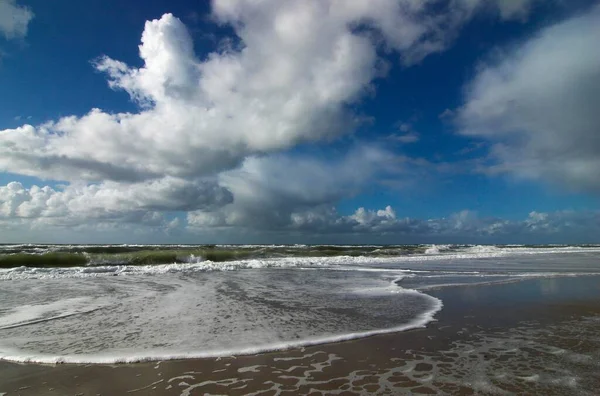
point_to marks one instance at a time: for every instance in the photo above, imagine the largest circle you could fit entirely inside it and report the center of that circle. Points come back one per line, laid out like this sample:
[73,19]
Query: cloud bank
[291,75]
[134,217]
[538,105]
[213,140]
[108,202]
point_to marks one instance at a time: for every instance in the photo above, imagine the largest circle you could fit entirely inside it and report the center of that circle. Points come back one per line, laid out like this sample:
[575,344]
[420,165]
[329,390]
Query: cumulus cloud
[539,105]
[209,130]
[199,117]
[384,226]
[109,202]
[14,19]
[297,68]
[270,192]
[297,196]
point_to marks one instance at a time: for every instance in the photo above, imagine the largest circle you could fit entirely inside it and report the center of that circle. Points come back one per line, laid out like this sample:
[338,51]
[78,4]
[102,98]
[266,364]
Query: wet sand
[539,336]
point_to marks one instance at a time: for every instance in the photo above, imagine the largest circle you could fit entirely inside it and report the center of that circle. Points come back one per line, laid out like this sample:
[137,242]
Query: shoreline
[420,322]
[470,314]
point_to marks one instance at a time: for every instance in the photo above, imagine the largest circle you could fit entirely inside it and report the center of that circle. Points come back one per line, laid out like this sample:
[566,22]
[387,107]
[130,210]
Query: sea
[133,303]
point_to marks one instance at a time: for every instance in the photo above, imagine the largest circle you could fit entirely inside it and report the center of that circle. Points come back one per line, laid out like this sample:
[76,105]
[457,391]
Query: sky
[322,121]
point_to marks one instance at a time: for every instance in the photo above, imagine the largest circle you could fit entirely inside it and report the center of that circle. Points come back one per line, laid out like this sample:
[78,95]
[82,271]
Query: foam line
[56,317]
[337,262]
[419,322]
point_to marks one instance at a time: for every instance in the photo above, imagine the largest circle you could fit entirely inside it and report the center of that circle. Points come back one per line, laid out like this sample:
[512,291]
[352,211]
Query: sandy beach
[537,336]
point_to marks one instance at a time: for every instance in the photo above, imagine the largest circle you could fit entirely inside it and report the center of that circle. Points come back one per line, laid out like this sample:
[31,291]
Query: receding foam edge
[421,321]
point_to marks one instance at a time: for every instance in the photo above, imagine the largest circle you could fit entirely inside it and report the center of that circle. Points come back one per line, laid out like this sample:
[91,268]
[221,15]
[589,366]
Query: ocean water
[118,308]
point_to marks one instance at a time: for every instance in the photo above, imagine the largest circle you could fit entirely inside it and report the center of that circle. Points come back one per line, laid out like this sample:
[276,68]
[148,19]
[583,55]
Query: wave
[199,266]
[134,257]
[437,249]
[389,269]
[51,256]
[161,262]
[77,255]
[420,321]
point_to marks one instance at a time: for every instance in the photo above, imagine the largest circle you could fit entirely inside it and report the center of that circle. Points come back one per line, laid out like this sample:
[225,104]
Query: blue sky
[346,122]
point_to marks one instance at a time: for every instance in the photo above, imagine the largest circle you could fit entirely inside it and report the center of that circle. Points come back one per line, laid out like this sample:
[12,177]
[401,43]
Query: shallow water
[120,313]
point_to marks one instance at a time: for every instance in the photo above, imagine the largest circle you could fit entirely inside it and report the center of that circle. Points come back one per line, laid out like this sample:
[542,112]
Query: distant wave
[176,261]
[64,256]
[92,255]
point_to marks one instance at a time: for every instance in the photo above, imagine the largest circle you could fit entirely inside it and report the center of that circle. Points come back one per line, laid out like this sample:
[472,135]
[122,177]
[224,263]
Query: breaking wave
[59,256]
[242,299]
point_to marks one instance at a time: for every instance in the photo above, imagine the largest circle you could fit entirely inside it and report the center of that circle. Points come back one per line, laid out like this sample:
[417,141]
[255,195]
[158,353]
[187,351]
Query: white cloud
[507,9]
[538,104]
[446,115]
[297,68]
[514,9]
[270,192]
[372,220]
[407,135]
[384,226]
[297,206]
[208,131]
[108,202]
[410,137]
[14,19]
[465,225]
[204,117]
[285,195]
[405,127]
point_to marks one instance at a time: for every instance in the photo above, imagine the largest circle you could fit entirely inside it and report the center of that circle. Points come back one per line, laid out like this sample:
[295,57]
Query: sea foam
[19,356]
[198,264]
[167,326]
[126,313]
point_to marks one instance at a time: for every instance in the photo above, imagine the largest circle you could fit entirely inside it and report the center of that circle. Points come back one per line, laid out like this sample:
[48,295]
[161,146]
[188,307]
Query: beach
[326,197]
[536,336]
